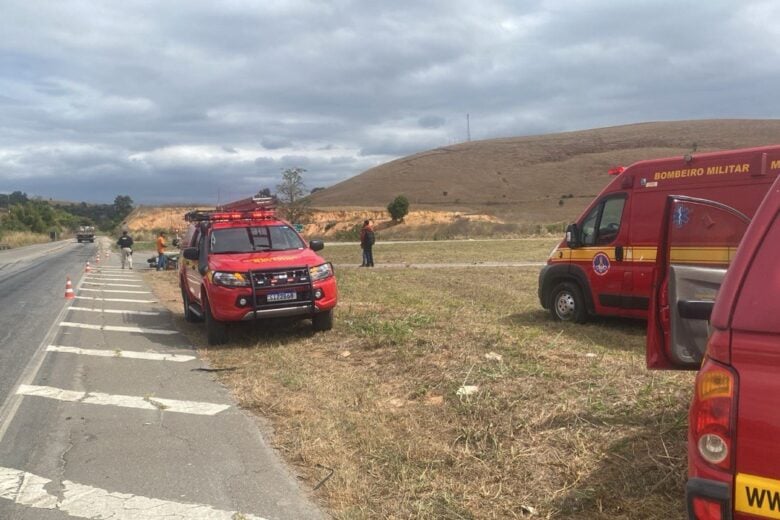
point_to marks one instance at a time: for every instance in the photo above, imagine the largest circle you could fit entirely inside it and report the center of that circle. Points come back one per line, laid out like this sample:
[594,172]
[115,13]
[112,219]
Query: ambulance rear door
[698,241]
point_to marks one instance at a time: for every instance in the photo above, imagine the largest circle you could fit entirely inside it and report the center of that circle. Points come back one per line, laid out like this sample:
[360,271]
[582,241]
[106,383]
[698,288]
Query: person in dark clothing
[367,239]
[125,244]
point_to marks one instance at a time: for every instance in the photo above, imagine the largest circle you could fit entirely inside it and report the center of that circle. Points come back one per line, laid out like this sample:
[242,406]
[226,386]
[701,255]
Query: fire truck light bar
[200,216]
[617,170]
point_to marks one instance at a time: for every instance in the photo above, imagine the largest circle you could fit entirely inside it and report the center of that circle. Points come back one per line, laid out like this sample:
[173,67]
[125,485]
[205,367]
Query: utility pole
[468,128]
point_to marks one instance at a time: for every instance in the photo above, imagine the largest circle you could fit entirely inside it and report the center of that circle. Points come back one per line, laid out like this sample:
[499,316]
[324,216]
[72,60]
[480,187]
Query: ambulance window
[589,226]
[609,225]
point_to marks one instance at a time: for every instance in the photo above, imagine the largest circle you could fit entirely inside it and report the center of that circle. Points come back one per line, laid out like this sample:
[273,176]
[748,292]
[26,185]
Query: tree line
[18,212]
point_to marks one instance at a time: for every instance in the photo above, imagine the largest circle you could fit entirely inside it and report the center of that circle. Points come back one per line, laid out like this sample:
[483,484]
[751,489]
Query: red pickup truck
[240,262]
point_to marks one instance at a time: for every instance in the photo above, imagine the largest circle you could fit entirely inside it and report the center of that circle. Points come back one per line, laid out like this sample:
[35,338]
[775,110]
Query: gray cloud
[197,101]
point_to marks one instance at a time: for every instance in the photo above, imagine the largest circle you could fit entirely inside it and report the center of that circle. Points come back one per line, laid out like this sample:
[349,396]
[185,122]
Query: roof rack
[258,207]
[255,202]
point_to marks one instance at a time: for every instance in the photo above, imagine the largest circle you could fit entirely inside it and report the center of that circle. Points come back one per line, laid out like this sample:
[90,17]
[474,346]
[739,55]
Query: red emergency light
[213,216]
[617,170]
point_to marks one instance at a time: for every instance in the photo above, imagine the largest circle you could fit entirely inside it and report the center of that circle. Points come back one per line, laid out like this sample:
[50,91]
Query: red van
[605,265]
[733,448]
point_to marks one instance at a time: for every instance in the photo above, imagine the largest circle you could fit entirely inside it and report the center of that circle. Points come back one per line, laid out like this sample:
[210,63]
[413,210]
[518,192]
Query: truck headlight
[230,279]
[321,272]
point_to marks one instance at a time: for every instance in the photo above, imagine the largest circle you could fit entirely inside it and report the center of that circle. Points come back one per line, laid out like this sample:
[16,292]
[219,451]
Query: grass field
[564,422]
[455,251]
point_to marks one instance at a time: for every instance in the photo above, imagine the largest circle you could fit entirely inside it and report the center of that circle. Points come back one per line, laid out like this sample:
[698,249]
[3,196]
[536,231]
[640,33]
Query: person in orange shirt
[161,251]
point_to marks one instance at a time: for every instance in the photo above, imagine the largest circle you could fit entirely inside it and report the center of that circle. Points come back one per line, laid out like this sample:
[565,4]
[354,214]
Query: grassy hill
[522,179]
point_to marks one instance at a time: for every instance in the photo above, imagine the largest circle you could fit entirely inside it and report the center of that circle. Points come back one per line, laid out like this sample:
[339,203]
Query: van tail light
[706,509]
[712,415]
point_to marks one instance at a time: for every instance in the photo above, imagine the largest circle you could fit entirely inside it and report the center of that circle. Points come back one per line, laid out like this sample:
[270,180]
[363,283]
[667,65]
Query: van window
[601,225]
[609,225]
[758,307]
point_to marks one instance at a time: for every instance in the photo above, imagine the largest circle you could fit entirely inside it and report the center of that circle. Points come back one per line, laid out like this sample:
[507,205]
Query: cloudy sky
[199,101]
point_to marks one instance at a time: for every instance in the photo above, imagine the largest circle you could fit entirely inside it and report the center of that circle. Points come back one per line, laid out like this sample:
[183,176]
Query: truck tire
[322,321]
[216,331]
[188,314]
[567,303]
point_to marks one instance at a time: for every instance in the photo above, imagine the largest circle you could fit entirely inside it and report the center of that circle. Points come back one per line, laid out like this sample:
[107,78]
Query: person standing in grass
[125,244]
[161,251]
[367,239]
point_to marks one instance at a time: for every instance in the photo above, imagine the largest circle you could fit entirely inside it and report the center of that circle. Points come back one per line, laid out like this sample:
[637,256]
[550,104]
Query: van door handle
[619,253]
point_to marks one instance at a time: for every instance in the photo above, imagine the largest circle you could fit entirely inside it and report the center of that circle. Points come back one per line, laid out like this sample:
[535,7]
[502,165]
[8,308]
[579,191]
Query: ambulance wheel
[322,321]
[567,303]
[188,314]
[216,331]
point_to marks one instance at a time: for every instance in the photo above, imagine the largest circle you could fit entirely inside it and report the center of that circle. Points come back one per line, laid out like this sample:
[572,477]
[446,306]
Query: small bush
[399,208]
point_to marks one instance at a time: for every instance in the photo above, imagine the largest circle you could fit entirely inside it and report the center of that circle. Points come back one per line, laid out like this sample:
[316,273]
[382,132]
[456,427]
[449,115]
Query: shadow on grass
[610,332]
[267,333]
[640,475]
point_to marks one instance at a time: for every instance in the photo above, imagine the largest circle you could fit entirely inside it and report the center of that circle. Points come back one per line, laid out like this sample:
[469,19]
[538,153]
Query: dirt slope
[523,178]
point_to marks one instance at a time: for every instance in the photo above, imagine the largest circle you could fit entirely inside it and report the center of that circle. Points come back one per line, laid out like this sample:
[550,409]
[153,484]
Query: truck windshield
[255,238]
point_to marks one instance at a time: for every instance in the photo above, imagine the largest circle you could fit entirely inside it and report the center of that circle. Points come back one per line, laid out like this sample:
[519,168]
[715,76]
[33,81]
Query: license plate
[282,296]
[757,495]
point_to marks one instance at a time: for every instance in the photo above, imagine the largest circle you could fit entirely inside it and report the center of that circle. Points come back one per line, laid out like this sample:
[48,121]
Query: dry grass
[525,179]
[567,422]
[23,238]
[469,251]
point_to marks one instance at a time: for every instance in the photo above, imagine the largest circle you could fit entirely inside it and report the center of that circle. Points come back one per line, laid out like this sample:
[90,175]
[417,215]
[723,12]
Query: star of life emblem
[600,264]
[680,216]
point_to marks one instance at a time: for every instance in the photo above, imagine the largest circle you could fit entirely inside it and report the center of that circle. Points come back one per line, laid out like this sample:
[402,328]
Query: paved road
[106,413]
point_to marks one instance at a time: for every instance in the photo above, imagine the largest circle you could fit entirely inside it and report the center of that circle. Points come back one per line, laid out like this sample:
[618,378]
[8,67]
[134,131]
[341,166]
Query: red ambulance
[733,431]
[605,265]
[241,262]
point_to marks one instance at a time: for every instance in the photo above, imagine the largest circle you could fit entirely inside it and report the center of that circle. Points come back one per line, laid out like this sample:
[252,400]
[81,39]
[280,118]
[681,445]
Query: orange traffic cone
[87,269]
[69,294]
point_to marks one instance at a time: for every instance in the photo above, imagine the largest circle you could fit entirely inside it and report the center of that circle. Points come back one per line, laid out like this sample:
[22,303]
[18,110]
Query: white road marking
[125,401]
[101,284]
[116,291]
[127,354]
[116,328]
[108,276]
[81,501]
[117,311]
[114,299]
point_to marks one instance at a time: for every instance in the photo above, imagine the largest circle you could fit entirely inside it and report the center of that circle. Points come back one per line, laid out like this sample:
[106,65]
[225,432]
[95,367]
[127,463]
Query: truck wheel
[567,303]
[188,314]
[216,331]
[322,321]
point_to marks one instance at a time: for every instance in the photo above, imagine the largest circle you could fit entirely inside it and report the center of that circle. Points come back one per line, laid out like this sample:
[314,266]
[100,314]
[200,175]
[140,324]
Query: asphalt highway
[106,411]
[32,287]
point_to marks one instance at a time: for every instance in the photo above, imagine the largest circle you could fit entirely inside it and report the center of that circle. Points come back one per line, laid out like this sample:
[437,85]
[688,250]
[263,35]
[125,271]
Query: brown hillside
[522,179]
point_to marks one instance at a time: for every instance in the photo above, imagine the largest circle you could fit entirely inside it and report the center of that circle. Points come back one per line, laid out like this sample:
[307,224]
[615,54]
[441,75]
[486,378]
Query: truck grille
[280,289]
[281,278]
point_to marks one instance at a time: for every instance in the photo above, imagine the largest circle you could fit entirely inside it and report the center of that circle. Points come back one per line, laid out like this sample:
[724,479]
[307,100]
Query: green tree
[18,197]
[123,205]
[399,208]
[291,193]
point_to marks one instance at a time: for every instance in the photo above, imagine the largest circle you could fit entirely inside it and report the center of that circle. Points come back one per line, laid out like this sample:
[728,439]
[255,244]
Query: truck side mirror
[316,245]
[572,236]
[190,253]
[203,257]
